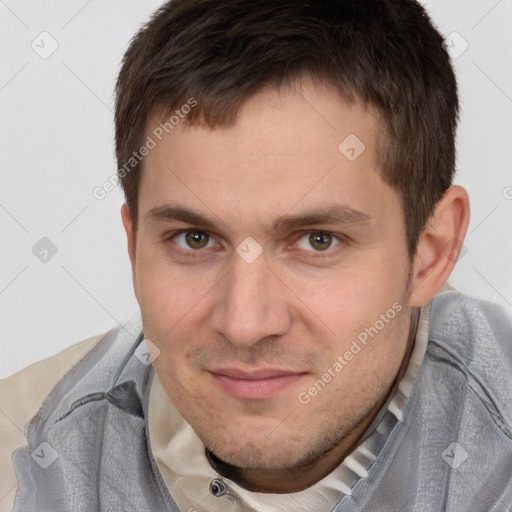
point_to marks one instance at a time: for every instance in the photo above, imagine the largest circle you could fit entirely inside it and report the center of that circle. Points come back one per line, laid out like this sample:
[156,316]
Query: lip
[256,384]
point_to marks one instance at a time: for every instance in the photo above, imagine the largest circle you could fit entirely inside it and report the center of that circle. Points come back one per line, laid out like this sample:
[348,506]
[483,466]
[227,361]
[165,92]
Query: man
[290,221]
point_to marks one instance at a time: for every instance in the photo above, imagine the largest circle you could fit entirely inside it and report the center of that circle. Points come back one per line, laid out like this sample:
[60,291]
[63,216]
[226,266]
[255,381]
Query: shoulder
[470,323]
[474,336]
[23,392]
[21,395]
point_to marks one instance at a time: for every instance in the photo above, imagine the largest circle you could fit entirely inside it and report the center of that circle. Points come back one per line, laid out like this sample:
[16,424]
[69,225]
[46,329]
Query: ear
[439,245]
[128,224]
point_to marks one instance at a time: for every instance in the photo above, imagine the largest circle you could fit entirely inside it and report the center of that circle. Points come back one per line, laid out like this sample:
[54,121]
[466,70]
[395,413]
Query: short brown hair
[386,53]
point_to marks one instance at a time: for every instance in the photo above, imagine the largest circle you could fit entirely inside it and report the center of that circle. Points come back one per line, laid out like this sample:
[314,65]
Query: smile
[256,385]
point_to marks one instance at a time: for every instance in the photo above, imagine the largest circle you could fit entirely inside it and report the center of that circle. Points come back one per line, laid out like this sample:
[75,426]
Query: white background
[56,133]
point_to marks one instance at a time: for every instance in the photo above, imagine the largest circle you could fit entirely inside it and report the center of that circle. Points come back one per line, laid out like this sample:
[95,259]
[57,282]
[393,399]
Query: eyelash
[309,254]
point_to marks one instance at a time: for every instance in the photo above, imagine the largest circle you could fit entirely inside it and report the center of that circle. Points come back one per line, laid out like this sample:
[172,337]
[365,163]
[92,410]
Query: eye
[193,239]
[317,241]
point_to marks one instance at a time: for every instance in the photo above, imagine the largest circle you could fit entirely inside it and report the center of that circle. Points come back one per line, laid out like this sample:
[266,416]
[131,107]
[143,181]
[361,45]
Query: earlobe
[439,245]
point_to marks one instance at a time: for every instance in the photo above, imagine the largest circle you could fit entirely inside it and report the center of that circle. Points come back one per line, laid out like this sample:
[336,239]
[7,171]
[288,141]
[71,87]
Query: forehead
[305,115]
[289,148]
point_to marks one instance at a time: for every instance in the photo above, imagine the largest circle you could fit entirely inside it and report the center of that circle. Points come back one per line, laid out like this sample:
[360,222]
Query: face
[271,271]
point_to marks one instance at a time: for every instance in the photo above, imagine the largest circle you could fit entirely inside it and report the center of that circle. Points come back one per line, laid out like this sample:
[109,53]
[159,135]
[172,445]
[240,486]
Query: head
[287,170]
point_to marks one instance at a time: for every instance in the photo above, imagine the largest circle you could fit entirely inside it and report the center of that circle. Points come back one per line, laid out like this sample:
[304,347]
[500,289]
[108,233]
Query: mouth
[257,384]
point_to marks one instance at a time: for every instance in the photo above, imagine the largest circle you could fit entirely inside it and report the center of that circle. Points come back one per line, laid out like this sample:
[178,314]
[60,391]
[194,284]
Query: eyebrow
[341,215]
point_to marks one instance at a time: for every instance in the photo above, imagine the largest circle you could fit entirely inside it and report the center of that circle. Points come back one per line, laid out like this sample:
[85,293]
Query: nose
[251,304]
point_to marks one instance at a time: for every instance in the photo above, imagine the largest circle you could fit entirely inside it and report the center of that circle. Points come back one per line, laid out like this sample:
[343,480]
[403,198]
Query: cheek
[357,293]
[165,294]
[174,306]
[363,306]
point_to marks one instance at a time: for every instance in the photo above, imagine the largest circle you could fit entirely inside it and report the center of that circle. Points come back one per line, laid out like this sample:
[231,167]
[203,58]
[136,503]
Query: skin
[295,306]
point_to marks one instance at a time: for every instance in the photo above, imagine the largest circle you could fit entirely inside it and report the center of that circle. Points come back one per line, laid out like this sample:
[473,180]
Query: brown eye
[320,241]
[197,239]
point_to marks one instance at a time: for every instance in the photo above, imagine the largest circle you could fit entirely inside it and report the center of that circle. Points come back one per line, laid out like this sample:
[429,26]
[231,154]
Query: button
[217,488]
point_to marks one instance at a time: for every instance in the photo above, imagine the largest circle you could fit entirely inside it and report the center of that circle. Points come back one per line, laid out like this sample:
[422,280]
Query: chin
[250,456]
[264,451]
